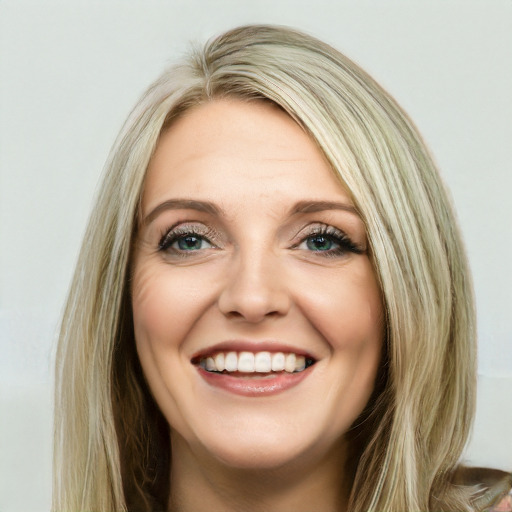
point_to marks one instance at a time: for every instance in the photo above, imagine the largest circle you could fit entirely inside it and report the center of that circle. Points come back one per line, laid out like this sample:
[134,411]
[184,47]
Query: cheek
[165,303]
[149,295]
[345,306]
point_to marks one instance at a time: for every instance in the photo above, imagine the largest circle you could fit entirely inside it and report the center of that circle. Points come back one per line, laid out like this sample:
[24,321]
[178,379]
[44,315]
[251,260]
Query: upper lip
[251,346]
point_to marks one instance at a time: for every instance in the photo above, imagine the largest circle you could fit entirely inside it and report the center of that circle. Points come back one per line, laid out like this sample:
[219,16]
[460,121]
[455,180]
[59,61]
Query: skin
[257,272]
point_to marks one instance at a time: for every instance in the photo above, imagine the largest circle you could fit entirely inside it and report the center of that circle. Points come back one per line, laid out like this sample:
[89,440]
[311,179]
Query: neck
[200,482]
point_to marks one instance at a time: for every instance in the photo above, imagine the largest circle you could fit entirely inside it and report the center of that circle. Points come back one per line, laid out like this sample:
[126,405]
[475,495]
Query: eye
[185,239]
[321,243]
[328,241]
[190,243]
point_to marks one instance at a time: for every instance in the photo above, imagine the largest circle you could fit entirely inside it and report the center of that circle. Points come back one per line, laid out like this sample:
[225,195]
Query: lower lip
[254,386]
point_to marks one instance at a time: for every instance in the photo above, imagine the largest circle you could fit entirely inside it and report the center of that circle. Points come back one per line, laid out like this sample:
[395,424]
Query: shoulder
[494,488]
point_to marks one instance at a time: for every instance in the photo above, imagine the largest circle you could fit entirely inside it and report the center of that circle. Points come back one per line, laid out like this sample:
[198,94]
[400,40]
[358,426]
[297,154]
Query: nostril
[254,295]
[252,314]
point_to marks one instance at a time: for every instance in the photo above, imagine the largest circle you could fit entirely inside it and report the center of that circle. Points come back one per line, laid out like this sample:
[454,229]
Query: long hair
[111,442]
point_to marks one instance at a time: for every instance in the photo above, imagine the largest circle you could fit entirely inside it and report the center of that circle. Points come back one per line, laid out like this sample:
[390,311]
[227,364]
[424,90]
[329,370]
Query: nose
[255,289]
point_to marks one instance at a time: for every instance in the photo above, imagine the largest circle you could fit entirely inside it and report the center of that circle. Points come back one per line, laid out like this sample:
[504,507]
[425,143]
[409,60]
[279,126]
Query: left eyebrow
[320,206]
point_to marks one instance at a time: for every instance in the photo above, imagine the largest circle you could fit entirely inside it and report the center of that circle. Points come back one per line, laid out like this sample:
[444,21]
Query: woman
[271,310]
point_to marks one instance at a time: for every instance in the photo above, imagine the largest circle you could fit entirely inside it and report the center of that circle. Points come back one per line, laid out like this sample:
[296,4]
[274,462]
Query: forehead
[249,149]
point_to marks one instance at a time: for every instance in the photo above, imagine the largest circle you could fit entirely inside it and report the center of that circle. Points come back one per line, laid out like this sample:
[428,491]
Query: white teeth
[246,362]
[219,362]
[278,361]
[231,362]
[289,365]
[249,362]
[263,362]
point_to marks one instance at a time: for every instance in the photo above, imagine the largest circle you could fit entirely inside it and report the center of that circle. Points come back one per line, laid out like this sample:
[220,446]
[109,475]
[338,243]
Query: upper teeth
[250,362]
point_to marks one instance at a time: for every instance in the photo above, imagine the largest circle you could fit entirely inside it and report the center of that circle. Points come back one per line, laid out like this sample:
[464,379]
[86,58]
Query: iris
[320,243]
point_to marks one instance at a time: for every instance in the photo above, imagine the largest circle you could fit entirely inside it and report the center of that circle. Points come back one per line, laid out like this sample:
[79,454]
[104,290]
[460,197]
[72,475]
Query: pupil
[188,243]
[319,243]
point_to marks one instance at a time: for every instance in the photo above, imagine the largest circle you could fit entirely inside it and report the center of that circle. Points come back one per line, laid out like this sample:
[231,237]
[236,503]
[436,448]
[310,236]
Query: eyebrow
[208,207]
[181,204]
[319,206]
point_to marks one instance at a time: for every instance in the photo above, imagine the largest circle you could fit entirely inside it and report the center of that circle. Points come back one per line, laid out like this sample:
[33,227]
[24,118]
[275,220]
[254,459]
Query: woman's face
[257,314]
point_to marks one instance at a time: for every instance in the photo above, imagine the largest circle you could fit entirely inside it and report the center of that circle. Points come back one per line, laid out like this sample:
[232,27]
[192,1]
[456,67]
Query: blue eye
[328,241]
[185,239]
[321,243]
[190,243]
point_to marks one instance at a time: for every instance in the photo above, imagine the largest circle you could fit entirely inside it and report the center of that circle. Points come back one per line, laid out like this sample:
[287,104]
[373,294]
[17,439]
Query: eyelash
[176,233]
[332,234]
[335,235]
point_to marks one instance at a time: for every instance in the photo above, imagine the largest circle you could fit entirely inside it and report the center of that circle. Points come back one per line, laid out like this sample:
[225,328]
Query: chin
[258,453]
[258,442]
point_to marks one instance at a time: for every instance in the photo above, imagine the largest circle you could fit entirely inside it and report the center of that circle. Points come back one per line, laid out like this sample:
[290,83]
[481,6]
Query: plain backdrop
[69,73]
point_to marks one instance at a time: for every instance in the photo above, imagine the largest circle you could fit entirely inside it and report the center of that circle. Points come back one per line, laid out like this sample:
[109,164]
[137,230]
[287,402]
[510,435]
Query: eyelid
[317,228]
[183,228]
[346,244]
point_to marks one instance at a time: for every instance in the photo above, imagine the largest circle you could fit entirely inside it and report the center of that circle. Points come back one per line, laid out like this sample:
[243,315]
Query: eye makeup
[190,238]
[327,241]
[187,237]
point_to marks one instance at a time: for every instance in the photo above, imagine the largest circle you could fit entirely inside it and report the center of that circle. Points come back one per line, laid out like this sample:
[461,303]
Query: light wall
[69,73]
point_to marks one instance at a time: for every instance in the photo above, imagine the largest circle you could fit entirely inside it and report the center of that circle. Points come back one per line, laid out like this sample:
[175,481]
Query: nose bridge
[255,287]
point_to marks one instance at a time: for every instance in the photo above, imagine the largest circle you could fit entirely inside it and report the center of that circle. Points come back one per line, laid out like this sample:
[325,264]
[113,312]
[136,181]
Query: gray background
[69,73]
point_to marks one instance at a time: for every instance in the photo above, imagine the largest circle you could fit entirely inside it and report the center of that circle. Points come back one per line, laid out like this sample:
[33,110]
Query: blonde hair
[111,451]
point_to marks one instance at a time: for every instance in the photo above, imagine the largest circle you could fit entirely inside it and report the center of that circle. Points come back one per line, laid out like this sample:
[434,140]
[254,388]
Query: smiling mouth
[257,364]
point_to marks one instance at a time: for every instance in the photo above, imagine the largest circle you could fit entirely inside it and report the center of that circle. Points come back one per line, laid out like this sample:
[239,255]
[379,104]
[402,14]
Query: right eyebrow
[180,204]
